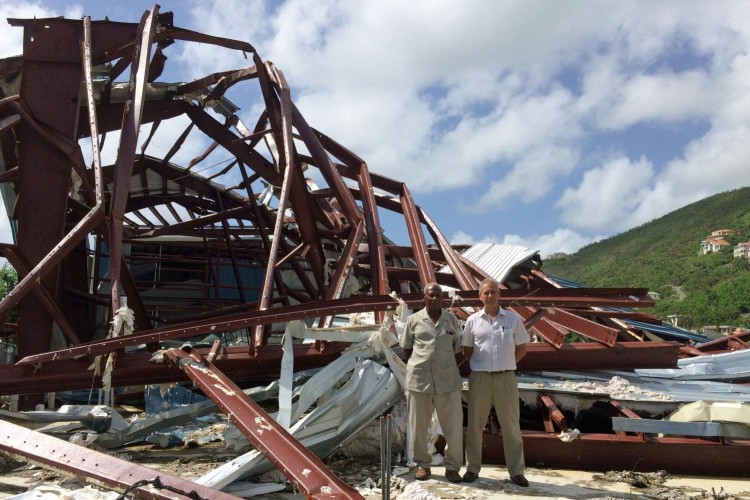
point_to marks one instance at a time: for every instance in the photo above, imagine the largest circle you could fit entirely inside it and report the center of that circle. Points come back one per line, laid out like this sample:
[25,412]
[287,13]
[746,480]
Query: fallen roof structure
[271,223]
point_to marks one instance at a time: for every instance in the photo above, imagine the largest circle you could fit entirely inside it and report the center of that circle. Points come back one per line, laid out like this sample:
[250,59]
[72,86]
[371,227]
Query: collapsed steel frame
[247,245]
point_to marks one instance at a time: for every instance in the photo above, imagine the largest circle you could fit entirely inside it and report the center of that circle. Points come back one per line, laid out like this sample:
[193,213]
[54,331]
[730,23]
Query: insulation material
[122,324]
[415,492]
[569,435]
[75,185]
[402,312]
[617,388]
[382,342]
[712,411]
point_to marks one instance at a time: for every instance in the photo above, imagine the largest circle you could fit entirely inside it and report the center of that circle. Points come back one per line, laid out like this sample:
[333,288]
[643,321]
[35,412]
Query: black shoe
[470,477]
[520,480]
[453,476]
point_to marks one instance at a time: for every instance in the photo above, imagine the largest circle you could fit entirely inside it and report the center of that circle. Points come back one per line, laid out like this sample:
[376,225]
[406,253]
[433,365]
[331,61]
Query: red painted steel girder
[132,369]
[131,124]
[735,342]
[536,322]
[416,235]
[317,309]
[601,333]
[617,314]
[101,468]
[608,451]
[136,369]
[296,462]
[625,412]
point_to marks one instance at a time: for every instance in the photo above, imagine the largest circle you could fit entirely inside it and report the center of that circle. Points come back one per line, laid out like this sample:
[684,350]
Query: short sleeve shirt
[494,341]
[432,366]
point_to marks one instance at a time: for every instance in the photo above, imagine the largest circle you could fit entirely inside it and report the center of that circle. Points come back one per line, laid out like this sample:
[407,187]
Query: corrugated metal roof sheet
[733,365]
[495,259]
[564,282]
[667,330]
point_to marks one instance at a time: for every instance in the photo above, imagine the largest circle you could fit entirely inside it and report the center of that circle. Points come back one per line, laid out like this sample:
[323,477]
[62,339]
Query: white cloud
[607,195]
[233,19]
[732,93]
[714,163]
[11,38]
[530,179]
[664,97]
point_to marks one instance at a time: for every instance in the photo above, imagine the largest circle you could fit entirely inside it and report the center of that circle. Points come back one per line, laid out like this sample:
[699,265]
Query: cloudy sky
[548,124]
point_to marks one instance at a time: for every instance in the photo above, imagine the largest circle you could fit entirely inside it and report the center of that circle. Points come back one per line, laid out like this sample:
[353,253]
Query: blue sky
[547,124]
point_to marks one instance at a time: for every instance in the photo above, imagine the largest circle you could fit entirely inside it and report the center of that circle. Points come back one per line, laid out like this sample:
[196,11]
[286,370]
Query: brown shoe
[422,473]
[520,480]
[470,477]
[453,476]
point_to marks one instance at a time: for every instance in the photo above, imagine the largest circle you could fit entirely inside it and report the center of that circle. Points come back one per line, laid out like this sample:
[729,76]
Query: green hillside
[663,256]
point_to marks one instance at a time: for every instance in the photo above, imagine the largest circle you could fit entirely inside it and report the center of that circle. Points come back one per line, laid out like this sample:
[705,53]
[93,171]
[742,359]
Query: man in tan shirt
[431,339]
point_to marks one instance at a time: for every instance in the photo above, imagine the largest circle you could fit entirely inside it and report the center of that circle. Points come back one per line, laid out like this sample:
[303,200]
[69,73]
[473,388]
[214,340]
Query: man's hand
[520,352]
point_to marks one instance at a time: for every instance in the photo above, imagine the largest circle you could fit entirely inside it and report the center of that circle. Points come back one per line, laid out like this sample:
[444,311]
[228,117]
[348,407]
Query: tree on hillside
[8,280]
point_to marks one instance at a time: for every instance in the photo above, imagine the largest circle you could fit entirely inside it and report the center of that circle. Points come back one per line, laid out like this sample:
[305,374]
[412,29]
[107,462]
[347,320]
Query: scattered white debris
[49,491]
[617,388]
[361,319]
[569,435]
[416,492]
[398,471]
[85,439]
[263,424]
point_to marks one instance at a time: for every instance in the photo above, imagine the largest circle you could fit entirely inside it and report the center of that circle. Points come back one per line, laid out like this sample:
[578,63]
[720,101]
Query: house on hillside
[715,242]
[742,250]
[720,234]
[556,255]
[712,245]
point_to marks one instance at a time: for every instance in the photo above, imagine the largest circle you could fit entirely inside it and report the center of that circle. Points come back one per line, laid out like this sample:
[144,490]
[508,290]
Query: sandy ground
[364,473]
[493,482]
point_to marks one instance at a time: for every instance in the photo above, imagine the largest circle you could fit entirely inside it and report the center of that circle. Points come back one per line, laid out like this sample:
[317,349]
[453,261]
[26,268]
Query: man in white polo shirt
[494,340]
